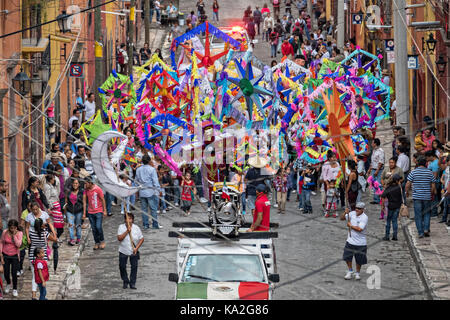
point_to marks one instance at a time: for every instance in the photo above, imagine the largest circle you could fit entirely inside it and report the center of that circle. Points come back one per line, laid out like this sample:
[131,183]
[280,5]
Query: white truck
[219,267]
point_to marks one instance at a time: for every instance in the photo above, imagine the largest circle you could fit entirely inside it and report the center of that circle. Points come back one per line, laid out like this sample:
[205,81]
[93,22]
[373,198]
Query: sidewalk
[431,255]
[66,275]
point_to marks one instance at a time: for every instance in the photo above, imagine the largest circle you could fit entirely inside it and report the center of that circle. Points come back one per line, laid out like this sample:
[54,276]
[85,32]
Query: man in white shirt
[129,247]
[403,160]
[89,107]
[376,166]
[76,116]
[356,245]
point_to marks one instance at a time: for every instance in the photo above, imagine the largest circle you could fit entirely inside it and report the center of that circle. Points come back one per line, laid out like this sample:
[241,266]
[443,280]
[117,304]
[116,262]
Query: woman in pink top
[95,208]
[265,10]
[9,252]
[428,138]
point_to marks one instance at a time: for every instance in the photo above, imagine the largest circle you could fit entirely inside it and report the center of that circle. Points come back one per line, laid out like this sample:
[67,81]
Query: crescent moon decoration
[105,172]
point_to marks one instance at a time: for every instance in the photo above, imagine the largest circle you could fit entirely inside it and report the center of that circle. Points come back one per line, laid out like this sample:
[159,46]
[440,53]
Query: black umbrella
[55,255]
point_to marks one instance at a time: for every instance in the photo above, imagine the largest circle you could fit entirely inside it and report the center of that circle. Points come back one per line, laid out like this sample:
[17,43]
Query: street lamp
[441,65]
[63,22]
[431,43]
[44,72]
[36,86]
[22,83]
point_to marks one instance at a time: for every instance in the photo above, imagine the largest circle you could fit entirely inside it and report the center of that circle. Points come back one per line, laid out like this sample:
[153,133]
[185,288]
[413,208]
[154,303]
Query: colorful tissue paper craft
[314,109]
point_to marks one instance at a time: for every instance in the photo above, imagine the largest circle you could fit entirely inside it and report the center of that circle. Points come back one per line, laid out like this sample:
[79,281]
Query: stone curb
[71,269]
[420,267]
[71,272]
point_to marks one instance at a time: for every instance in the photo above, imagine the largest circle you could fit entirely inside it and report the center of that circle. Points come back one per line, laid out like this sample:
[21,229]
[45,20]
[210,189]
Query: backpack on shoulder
[120,57]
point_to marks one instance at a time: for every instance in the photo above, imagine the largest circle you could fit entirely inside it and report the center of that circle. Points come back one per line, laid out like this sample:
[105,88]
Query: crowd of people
[63,196]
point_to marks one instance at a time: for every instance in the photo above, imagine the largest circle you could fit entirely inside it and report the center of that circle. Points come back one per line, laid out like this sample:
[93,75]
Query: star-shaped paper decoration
[206,60]
[161,85]
[249,88]
[116,89]
[165,130]
[339,124]
[96,127]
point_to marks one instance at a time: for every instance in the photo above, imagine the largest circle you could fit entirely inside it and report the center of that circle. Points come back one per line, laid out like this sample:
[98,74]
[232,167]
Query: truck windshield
[223,268]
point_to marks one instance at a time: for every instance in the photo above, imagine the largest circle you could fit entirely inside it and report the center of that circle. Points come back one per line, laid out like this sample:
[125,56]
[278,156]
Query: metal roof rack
[209,235]
[190,224]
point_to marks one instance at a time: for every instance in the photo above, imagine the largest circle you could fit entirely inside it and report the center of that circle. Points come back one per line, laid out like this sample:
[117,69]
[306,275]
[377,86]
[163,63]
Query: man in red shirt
[287,49]
[261,217]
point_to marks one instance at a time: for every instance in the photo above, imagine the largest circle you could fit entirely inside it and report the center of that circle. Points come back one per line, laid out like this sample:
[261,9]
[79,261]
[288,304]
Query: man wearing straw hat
[253,178]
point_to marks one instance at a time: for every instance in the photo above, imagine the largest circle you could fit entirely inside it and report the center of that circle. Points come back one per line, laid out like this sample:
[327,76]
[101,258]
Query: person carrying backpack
[122,58]
[273,44]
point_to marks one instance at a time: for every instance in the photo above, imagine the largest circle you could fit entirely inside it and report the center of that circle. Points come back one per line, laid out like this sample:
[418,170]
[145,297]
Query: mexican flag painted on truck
[223,290]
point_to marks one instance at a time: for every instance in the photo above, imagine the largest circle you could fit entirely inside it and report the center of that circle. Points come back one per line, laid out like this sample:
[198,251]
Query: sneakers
[301,209]
[335,215]
[275,205]
[203,200]
[159,227]
[164,211]
[313,193]
[7,288]
[78,241]
[209,209]
[176,204]
[357,276]
[158,211]
[348,275]
[71,242]
[121,212]
[327,215]
[15,293]
[19,273]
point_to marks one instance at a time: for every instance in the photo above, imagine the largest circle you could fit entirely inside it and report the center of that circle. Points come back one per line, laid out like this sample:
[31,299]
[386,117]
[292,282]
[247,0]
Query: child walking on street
[41,272]
[280,184]
[188,190]
[332,198]
[308,184]
[125,200]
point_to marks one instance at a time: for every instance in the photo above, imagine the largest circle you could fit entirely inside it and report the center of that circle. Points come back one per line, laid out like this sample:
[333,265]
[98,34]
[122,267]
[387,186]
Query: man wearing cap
[356,245]
[261,217]
[57,151]
[55,159]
